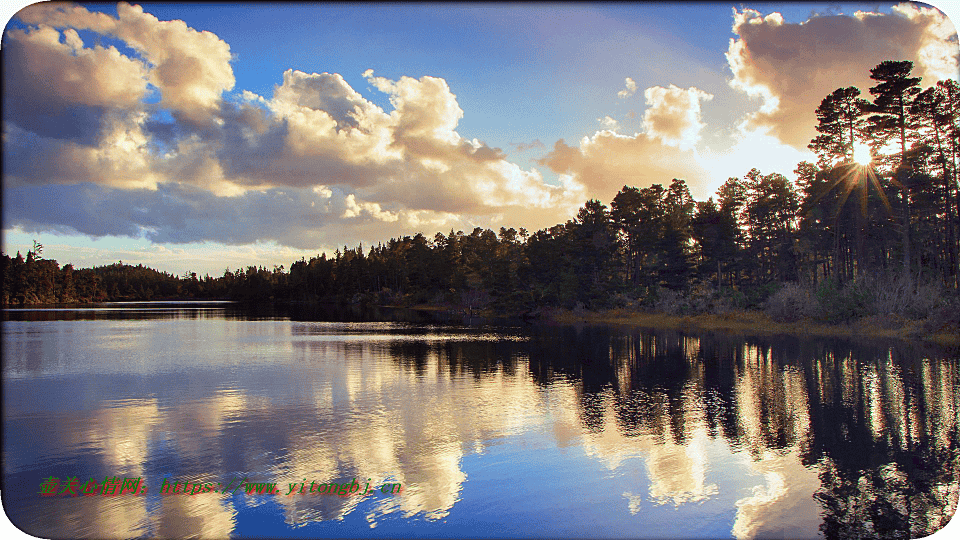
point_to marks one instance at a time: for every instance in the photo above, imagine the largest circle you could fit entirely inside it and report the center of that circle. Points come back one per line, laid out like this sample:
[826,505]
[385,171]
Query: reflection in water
[741,438]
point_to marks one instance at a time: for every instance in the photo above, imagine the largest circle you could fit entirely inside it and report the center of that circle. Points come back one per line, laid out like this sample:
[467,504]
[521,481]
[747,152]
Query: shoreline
[757,323]
[736,322]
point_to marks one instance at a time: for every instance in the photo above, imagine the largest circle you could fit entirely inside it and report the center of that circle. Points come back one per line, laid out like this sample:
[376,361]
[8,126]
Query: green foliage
[841,302]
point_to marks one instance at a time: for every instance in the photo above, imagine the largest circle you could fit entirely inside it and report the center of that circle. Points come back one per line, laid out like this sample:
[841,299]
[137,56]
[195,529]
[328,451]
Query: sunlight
[861,154]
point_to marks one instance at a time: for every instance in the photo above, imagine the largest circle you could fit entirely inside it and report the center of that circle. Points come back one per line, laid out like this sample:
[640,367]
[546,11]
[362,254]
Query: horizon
[192,147]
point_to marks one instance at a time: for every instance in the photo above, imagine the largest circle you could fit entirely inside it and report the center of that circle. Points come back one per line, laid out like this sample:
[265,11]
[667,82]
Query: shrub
[842,303]
[888,295]
[945,318]
[793,302]
[670,302]
[622,300]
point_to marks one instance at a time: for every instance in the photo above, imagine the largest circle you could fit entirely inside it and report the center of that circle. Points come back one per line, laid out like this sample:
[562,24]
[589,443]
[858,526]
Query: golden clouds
[790,67]
[607,161]
[673,114]
[152,108]
[159,117]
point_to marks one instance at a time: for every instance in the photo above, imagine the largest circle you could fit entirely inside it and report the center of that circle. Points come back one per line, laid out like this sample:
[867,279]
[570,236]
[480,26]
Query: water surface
[492,430]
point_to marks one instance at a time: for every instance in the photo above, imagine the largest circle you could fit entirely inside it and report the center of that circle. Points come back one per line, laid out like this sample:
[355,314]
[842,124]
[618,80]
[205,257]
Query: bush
[621,300]
[888,295]
[387,297]
[841,303]
[475,299]
[945,318]
[704,298]
[670,302]
[793,302]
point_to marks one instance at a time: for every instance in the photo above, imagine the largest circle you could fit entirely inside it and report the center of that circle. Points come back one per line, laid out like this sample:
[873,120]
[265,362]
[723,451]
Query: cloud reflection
[304,402]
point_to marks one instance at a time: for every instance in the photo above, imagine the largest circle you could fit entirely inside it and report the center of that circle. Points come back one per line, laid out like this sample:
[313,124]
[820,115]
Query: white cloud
[190,68]
[609,123]
[354,209]
[630,87]
[42,68]
[753,149]
[317,159]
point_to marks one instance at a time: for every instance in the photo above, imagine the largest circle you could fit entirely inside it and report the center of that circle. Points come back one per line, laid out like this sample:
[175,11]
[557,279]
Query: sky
[200,137]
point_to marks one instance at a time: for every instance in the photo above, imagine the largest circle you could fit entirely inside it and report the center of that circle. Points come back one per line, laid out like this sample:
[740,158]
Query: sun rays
[859,176]
[861,154]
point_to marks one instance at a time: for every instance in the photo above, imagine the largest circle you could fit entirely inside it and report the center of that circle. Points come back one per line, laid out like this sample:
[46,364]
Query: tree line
[35,280]
[878,209]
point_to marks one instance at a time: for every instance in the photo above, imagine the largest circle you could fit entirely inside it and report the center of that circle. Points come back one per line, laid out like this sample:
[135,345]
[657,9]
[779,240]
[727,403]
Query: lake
[491,429]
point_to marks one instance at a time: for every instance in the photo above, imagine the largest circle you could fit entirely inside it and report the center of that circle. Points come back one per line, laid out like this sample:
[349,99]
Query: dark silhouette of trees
[893,121]
[715,233]
[841,125]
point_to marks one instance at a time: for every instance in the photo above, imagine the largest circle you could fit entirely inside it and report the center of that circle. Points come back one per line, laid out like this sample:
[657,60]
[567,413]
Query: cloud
[607,161]
[790,68]
[752,149]
[121,157]
[61,90]
[673,114]
[201,165]
[316,218]
[354,209]
[425,110]
[318,130]
[181,213]
[191,69]
[533,145]
[609,123]
[629,89]
[149,124]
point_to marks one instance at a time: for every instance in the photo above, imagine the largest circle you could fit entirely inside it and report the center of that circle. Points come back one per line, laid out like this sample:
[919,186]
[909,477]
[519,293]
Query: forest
[871,228]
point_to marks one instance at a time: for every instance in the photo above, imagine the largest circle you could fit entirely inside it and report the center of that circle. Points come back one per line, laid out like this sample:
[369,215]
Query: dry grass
[756,322]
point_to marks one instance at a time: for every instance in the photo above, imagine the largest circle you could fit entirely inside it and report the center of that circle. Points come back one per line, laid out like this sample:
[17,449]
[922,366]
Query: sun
[861,154]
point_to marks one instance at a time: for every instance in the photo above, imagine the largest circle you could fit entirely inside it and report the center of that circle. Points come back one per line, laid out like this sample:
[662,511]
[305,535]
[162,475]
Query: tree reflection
[879,421]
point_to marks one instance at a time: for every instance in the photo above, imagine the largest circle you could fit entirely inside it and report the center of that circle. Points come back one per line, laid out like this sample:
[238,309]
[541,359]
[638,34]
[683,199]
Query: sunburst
[861,154]
[859,177]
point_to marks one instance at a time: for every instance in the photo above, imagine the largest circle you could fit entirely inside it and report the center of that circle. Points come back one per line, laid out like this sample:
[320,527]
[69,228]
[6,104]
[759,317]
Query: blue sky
[257,134]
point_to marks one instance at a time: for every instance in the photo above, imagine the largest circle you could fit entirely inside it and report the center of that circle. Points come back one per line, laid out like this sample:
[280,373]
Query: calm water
[491,430]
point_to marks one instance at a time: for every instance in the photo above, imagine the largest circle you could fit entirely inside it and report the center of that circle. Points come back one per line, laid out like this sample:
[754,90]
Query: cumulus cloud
[315,159]
[609,123]
[61,90]
[191,69]
[673,114]
[790,68]
[119,159]
[603,163]
[630,88]
[316,129]
[77,112]
[607,161]
[151,126]
[425,111]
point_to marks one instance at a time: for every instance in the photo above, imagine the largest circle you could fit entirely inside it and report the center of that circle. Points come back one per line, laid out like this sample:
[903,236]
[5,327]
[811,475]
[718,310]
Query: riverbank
[756,322]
